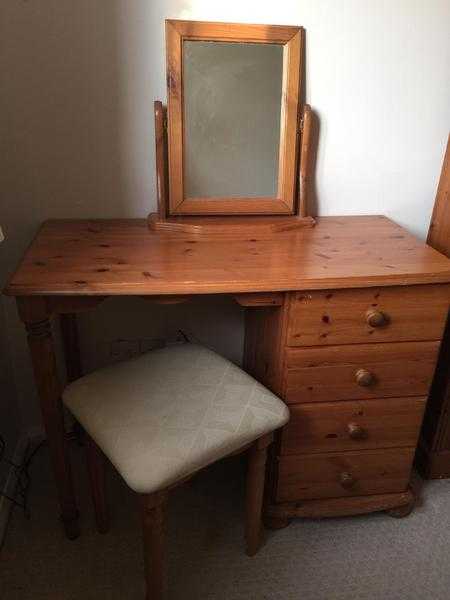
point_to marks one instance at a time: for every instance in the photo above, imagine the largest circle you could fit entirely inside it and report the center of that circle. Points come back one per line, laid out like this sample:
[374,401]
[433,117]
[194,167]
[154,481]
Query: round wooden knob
[376,318]
[347,480]
[364,378]
[356,432]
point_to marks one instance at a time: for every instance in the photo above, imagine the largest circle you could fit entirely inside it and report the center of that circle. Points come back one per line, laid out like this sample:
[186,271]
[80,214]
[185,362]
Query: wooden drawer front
[359,371]
[364,424]
[309,476]
[392,314]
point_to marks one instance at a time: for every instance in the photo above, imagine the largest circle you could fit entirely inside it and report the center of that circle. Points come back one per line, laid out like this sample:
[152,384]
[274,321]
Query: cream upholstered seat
[166,414]
[163,416]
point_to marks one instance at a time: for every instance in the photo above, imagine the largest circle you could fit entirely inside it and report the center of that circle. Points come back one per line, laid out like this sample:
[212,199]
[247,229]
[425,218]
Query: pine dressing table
[343,321]
[344,315]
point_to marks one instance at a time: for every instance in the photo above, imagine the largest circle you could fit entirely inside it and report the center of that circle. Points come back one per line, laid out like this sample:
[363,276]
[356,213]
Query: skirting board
[10,486]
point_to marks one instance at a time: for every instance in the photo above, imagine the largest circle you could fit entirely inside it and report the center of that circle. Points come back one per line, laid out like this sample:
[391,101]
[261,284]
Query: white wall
[79,79]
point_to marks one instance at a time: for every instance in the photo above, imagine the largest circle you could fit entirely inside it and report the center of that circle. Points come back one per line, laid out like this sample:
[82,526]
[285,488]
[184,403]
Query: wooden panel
[368,315]
[265,330]
[360,425]
[335,475]
[436,422]
[433,460]
[342,507]
[432,464]
[304,162]
[233,32]
[121,256]
[439,231]
[161,158]
[359,371]
[229,225]
[260,300]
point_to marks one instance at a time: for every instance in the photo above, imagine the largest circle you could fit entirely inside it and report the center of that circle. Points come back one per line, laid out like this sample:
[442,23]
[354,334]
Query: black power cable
[22,474]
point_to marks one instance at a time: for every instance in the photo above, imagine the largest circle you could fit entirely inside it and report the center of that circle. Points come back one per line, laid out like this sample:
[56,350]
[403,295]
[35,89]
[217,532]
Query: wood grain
[339,507]
[259,300]
[329,426]
[120,256]
[341,316]
[291,38]
[265,332]
[243,225]
[35,316]
[161,159]
[323,373]
[439,231]
[310,476]
[433,460]
[304,161]
[233,32]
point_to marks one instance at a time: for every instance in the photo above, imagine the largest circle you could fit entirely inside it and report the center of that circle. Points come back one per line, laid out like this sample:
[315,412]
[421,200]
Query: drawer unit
[352,425]
[350,372]
[354,316]
[355,366]
[332,475]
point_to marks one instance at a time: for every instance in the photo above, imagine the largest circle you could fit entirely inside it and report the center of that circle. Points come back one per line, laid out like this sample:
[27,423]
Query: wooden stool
[162,417]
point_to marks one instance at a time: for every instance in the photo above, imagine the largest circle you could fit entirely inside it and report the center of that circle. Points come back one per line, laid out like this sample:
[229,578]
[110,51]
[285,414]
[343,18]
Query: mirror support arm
[305,130]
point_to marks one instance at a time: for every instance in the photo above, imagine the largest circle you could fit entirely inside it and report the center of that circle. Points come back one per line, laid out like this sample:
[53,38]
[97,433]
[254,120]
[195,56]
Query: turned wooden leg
[96,469]
[255,493]
[154,531]
[33,312]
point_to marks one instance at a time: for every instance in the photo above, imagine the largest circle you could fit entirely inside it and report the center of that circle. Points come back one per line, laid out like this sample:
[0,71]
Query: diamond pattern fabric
[168,413]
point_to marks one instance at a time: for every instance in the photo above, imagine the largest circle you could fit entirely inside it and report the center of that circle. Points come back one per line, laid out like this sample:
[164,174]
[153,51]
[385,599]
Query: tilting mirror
[232,115]
[233,102]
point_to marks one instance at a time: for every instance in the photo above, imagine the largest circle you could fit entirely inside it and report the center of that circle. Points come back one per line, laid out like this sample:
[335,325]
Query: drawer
[356,316]
[309,476]
[350,425]
[351,372]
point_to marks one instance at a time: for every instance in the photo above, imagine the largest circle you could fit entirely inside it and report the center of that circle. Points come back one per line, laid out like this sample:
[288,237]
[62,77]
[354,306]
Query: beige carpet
[374,557]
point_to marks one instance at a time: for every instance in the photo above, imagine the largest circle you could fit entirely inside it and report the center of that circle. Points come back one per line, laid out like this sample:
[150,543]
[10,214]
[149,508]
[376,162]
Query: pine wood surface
[369,441]
[333,475]
[433,459]
[439,231]
[342,316]
[395,370]
[122,257]
[282,514]
[353,425]
[291,38]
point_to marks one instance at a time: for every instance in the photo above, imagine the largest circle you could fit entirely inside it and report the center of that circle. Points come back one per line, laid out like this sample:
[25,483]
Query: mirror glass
[232,96]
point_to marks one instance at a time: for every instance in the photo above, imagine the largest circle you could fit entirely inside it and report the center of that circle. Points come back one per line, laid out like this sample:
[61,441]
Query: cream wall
[78,82]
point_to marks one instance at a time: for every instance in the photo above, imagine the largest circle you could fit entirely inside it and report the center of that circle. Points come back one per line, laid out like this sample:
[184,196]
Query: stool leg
[154,525]
[96,470]
[255,492]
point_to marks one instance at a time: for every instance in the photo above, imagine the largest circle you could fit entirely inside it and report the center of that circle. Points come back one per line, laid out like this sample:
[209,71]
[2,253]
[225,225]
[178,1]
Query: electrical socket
[110,352]
[124,349]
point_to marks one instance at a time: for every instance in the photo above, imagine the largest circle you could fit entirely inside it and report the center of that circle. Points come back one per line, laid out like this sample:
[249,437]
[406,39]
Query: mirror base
[228,224]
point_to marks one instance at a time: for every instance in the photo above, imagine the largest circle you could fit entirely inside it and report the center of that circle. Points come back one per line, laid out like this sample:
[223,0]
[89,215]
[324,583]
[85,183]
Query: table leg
[36,318]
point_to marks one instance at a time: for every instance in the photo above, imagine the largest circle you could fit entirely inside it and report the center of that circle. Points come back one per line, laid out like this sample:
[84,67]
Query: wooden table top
[122,257]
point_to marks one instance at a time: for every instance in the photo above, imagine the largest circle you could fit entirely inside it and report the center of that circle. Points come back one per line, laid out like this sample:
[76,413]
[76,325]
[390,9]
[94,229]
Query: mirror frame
[292,39]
